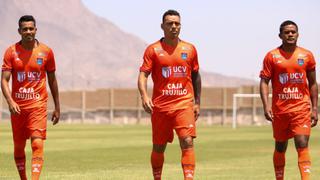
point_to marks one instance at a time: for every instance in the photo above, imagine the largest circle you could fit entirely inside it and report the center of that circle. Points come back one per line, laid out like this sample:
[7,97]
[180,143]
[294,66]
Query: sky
[231,37]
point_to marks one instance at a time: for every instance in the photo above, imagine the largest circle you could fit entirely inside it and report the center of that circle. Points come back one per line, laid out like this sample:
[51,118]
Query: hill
[91,52]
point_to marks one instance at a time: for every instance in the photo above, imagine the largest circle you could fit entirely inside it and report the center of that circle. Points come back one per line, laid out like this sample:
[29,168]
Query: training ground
[109,152]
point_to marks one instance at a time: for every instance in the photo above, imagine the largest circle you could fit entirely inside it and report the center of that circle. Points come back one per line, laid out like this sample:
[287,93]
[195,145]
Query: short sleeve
[50,65]
[311,66]
[195,63]
[266,71]
[7,60]
[147,60]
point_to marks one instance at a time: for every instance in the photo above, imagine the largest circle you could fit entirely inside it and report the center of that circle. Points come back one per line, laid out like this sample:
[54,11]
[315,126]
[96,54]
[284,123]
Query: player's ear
[161,26]
[19,30]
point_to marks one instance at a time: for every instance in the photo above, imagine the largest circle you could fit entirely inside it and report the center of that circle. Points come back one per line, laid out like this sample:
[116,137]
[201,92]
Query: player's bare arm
[313,88]
[264,93]
[53,84]
[142,86]
[13,106]
[196,83]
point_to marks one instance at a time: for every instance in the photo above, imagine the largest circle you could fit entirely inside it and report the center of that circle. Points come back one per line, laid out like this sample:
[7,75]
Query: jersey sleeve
[266,71]
[7,60]
[51,64]
[147,61]
[311,66]
[195,63]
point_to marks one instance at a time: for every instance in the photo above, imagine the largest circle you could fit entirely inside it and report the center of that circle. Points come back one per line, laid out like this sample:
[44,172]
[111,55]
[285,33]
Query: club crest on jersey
[300,62]
[166,72]
[39,61]
[21,76]
[283,78]
[184,56]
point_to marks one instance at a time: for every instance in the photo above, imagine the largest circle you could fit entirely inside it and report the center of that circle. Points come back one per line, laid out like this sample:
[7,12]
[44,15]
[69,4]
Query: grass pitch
[103,152]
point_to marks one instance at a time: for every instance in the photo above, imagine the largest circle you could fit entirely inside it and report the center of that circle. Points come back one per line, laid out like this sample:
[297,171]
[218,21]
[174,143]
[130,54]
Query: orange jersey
[28,68]
[171,69]
[288,74]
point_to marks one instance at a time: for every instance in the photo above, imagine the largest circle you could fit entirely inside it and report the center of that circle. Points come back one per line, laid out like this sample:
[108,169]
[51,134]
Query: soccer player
[175,104]
[29,62]
[291,70]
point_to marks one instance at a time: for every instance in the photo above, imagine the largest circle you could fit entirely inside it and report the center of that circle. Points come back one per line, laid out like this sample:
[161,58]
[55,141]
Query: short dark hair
[27,18]
[170,12]
[286,23]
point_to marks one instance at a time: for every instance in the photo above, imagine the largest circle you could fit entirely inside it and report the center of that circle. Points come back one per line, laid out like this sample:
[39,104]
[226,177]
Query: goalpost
[235,106]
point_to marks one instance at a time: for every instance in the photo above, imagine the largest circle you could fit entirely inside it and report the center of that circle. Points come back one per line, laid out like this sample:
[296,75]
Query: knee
[302,144]
[301,141]
[186,142]
[19,147]
[159,148]
[37,144]
[281,147]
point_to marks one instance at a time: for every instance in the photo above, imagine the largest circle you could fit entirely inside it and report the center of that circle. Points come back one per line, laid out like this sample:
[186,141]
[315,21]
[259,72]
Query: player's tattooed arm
[313,88]
[196,83]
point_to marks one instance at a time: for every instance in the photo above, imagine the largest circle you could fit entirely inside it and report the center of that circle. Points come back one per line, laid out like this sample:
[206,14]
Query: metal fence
[123,106]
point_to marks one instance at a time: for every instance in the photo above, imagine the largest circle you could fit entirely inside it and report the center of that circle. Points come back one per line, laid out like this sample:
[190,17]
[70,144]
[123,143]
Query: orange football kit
[171,69]
[28,70]
[290,91]
[173,98]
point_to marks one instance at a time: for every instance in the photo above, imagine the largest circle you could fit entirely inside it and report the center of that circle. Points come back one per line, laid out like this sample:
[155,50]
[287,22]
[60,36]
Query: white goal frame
[235,105]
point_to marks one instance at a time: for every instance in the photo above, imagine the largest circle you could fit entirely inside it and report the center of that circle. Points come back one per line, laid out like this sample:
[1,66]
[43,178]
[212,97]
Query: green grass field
[94,152]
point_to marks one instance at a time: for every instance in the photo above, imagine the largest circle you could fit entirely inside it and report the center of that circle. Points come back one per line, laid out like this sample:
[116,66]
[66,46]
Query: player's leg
[19,141]
[157,160]
[37,157]
[280,127]
[187,157]
[304,161]
[301,128]
[161,134]
[279,160]
[37,125]
[185,129]
[20,158]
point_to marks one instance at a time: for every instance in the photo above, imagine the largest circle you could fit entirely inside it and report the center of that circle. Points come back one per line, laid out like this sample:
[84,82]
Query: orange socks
[20,159]
[304,163]
[188,163]
[279,162]
[21,166]
[37,158]
[157,160]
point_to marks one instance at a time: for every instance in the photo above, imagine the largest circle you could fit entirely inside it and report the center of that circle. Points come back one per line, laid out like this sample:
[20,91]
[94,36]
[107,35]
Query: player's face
[27,30]
[171,26]
[289,35]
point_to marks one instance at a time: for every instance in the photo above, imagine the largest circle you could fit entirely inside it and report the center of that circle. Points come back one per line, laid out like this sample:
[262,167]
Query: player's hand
[147,104]
[14,108]
[196,110]
[55,117]
[268,114]
[314,118]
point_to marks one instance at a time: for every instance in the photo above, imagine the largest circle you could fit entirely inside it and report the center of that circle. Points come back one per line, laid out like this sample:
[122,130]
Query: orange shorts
[163,124]
[29,123]
[287,125]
